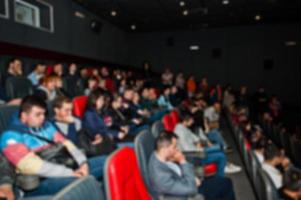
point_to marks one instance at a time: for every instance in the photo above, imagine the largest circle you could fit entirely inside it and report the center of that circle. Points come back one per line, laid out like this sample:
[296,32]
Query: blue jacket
[94,124]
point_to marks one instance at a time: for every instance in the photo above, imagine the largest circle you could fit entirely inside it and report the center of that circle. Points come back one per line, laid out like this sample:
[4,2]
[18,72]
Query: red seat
[168,123]
[210,169]
[123,180]
[49,69]
[79,106]
[175,117]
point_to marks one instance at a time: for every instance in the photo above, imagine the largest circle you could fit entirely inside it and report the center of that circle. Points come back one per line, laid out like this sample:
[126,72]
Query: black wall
[72,35]
[243,52]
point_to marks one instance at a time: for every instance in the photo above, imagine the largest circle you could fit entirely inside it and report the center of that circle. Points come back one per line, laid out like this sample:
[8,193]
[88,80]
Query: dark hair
[271,151]
[60,100]
[260,144]
[95,94]
[185,115]
[164,139]
[29,102]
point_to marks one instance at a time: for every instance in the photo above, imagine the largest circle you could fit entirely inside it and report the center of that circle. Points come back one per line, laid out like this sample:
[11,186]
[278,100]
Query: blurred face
[72,68]
[129,95]
[217,107]
[171,150]
[118,102]
[174,90]
[167,92]
[50,85]
[58,83]
[104,71]
[18,65]
[58,69]
[65,112]
[145,93]
[41,69]
[136,97]
[34,118]
[100,103]
[92,84]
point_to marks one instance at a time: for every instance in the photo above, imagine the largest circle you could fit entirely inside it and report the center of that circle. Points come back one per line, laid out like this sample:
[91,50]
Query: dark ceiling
[151,15]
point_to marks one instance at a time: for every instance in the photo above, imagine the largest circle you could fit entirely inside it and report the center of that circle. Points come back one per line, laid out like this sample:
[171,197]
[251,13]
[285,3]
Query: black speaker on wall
[170,42]
[268,64]
[216,53]
[95,26]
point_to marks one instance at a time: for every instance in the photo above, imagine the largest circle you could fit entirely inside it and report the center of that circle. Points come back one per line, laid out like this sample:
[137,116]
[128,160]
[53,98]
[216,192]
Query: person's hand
[286,163]
[7,192]
[121,135]
[198,182]
[179,157]
[136,121]
[125,129]
[97,140]
[82,171]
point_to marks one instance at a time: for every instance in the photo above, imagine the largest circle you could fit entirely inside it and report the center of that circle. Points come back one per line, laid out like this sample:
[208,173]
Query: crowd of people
[121,103]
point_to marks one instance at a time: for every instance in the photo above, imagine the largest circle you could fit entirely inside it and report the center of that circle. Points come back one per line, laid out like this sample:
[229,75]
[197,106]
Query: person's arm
[183,186]
[6,179]
[26,161]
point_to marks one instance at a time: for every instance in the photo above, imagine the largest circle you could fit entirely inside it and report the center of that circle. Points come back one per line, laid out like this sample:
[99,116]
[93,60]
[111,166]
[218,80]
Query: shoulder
[10,137]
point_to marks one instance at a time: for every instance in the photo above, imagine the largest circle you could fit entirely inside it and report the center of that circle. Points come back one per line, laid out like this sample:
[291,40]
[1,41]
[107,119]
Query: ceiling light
[133,27]
[182,3]
[258,17]
[226,2]
[79,14]
[113,13]
[185,12]
[290,43]
[194,48]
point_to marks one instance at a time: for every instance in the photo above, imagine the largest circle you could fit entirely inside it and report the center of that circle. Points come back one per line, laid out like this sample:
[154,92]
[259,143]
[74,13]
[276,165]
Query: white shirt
[211,114]
[274,174]
[259,157]
[187,139]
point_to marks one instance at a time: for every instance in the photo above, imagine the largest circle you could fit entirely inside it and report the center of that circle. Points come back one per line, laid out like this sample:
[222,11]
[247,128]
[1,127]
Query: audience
[37,74]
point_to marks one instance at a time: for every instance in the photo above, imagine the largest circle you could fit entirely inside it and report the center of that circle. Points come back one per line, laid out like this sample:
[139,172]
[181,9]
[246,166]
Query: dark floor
[242,186]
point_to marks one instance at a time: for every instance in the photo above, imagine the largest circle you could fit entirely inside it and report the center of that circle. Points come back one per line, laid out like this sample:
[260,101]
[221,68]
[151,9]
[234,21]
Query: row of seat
[262,183]
[283,139]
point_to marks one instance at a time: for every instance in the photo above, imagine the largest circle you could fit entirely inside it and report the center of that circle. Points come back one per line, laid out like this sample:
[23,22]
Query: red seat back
[49,69]
[79,106]
[168,123]
[123,180]
[175,117]
[210,169]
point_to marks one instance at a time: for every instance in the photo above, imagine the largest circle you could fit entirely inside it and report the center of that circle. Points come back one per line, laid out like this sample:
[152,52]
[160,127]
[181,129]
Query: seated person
[93,121]
[164,99]
[37,74]
[273,159]
[28,138]
[72,128]
[189,141]
[92,85]
[179,180]
[47,89]
[118,121]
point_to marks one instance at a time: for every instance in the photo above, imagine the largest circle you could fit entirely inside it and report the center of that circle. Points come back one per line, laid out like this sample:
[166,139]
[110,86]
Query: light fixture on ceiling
[257,17]
[225,2]
[185,12]
[133,27]
[194,48]
[182,3]
[113,13]
[290,43]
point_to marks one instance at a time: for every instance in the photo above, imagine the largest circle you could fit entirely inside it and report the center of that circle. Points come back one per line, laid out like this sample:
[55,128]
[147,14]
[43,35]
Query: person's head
[186,119]
[166,145]
[117,102]
[96,99]
[152,94]
[32,111]
[166,91]
[72,68]
[40,68]
[83,73]
[58,82]
[261,89]
[145,93]
[260,144]
[272,154]
[49,82]
[104,72]
[136,98]
[18,66]
[217,106]
[128,94]
[92,83]
[62,107]
[174,89]
[58,69]
[243,90]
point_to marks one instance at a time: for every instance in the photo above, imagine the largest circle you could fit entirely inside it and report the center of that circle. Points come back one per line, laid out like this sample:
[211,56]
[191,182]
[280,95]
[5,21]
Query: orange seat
[79,106]
[123,180]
